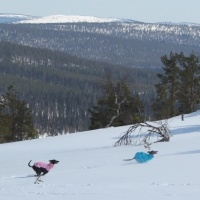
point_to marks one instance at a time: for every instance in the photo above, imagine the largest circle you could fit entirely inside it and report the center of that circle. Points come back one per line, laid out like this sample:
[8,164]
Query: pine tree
[167,90]
[189,95]
[17,118]
[179,89]
[117,107]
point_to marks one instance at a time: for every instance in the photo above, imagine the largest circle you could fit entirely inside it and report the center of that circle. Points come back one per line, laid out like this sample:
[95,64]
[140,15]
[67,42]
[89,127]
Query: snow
[12,15]
[91,167]
[24,17]
[68,19]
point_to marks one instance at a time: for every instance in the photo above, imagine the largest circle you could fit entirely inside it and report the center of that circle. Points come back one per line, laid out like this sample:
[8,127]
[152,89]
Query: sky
[139,10]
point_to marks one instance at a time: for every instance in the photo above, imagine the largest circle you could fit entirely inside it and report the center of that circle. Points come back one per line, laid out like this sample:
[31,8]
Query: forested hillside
[59,68]
[132,44]
[60,88]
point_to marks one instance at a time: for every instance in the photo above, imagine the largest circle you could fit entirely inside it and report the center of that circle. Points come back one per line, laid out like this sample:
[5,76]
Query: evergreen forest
[131,44]
[60,89]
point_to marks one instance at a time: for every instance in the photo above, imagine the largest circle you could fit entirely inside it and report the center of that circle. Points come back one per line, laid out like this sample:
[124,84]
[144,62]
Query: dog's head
[152,152]
[54,161]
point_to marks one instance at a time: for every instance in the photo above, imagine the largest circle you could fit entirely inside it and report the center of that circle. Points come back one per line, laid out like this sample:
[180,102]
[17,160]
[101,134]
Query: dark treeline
[60,88]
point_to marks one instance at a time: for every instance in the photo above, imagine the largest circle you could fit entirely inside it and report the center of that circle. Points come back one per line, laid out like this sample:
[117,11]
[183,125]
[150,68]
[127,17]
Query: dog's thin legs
[37,179]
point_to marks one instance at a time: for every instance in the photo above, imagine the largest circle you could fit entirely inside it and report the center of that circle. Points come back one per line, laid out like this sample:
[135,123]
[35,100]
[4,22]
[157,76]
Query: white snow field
[91,168]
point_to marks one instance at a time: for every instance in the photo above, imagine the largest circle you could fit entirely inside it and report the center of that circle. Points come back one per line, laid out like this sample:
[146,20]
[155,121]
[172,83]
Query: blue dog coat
[142,157]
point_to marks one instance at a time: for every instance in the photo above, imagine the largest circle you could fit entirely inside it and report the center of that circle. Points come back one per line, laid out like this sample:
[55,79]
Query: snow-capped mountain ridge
[28,19]
[88,19]
[12,18]
[9,15]
[69,19]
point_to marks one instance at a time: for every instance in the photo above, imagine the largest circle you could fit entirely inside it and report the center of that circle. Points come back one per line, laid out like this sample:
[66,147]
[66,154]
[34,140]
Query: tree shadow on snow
[184,153]
[187,129]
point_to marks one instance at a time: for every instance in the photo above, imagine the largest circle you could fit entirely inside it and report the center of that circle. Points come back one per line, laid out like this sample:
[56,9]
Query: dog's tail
[29,163]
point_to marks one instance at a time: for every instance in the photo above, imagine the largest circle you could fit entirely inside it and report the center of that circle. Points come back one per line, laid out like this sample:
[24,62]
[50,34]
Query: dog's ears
[54,161]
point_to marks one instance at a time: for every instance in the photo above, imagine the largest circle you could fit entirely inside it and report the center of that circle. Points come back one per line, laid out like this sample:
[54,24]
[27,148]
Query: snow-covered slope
[91,168]
[68,19]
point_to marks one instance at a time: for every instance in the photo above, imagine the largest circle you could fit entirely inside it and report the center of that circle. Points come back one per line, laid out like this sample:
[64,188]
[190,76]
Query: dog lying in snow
[43,168]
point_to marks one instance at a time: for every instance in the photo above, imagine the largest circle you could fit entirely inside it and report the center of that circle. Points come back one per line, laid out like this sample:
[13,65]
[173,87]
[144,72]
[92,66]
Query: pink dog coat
[48,167]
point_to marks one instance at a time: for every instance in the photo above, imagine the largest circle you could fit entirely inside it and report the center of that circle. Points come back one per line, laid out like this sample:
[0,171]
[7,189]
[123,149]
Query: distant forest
[127,44]
[60,88]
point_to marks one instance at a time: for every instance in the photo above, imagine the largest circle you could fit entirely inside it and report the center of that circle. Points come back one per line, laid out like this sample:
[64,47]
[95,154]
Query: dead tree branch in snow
[142,133]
